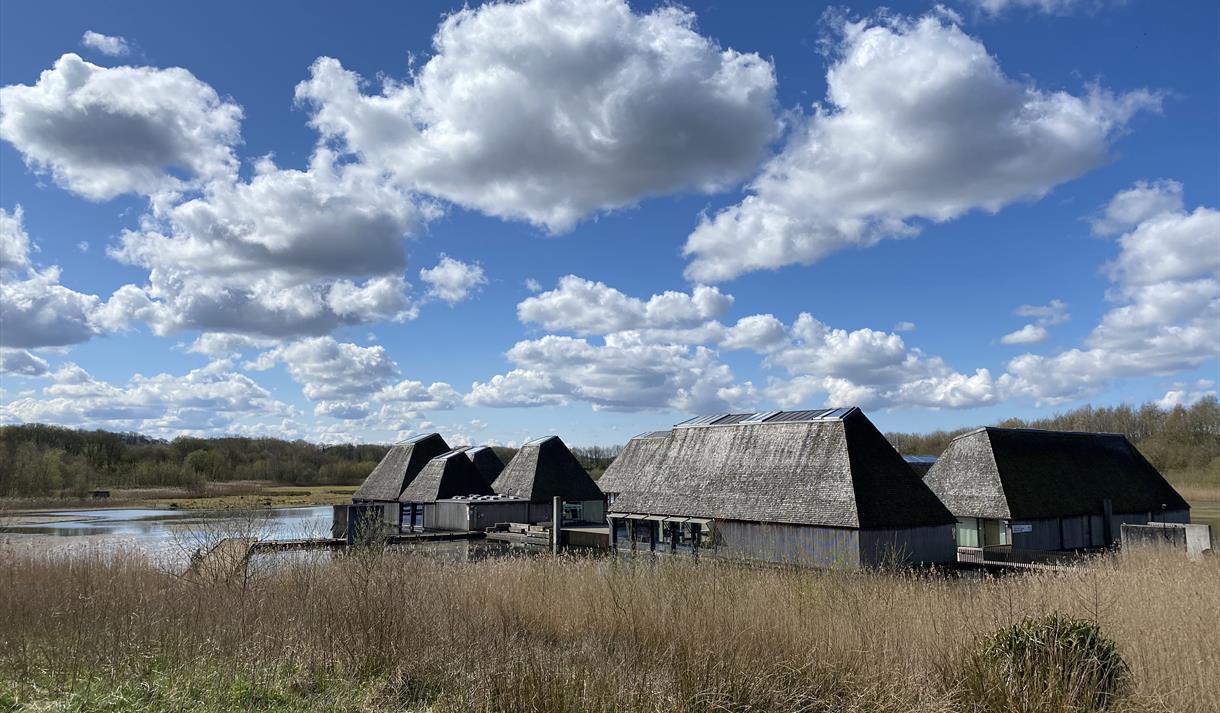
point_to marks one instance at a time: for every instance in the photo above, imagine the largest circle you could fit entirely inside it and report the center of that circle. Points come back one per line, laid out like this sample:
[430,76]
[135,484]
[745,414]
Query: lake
[159,532]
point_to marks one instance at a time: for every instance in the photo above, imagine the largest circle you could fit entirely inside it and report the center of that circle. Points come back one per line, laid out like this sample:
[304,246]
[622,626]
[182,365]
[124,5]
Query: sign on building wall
[1018,528]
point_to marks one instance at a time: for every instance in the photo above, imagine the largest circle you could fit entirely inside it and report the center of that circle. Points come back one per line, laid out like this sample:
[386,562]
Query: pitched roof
[445,476]
[544,468]
[829,467]
[1022,473]
[488,463]
[399,467]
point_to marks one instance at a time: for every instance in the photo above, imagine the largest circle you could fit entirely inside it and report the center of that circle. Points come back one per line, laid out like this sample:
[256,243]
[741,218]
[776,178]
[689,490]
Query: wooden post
[556,523]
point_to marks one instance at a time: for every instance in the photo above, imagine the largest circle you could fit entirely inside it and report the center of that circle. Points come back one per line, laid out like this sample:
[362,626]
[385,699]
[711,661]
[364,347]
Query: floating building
[380,491]
[448,475]
[820,487]
[1019,489]
[544,469]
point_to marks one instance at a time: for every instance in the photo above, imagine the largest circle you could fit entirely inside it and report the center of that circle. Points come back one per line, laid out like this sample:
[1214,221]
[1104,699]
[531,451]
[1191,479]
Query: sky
[360,221]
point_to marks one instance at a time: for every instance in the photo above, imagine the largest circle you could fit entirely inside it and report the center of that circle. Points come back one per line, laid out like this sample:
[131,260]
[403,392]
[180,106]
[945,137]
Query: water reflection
[159,531]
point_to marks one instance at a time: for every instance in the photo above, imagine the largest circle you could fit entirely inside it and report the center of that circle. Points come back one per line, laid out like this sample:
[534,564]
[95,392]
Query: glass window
[967,532]
[573,512]
[643,531]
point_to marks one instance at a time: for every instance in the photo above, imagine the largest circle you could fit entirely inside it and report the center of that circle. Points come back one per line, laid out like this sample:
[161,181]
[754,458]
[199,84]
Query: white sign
[1017,529]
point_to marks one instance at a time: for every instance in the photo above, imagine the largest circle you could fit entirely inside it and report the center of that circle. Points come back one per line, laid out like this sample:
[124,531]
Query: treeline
[38,460]
[1182,441]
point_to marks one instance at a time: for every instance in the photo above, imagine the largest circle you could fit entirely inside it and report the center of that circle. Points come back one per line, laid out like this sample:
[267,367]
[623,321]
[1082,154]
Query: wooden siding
[917,545]
[475,515]
[808,545]
[1085,531]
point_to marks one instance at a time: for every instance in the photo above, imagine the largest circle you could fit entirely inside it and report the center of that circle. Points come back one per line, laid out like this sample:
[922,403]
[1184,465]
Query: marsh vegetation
[405,632]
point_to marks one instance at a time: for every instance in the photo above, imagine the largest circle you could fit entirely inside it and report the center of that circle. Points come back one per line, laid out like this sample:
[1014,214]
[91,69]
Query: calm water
[159,531]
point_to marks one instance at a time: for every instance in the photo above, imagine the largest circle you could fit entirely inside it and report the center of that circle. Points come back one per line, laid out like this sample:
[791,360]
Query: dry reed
[410,632]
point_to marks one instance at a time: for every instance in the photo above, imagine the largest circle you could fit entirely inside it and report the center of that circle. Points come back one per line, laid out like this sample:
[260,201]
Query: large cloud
[287,253]
[208,400]
[920,123]
[1167,283]
[549,110]
[104,131]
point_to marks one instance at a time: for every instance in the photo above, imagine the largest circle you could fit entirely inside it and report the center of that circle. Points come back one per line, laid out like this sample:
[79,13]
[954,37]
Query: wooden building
[820,488]
[447,475]
[1026,490]
[543,469]
[395,472]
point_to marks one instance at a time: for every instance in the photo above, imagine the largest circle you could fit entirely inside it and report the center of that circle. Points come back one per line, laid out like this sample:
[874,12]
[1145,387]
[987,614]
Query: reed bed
[409,632]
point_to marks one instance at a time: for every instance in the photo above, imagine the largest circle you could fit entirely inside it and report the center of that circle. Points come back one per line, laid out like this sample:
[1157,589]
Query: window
[967,532]
[573,512]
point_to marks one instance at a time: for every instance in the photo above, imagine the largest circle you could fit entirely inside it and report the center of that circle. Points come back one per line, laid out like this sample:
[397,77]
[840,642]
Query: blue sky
[594,218]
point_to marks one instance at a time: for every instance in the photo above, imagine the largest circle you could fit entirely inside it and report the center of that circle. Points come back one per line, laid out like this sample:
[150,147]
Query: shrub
[1047,663]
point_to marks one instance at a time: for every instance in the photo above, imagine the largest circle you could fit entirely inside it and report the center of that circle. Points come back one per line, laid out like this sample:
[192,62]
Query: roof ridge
[838,413]
[1028,429]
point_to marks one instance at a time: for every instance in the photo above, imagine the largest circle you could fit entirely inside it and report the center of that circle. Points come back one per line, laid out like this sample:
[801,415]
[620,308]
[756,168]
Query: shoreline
[235,495]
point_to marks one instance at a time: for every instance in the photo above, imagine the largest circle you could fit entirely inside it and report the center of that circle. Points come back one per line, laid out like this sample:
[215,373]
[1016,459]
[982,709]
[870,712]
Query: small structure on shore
[447,475]
[488,463]
[543,469]
[820,487]
[1027,490]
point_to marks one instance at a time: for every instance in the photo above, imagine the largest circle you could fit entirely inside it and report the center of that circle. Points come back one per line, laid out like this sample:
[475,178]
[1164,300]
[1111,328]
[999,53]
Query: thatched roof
[445,476]
[399,468]
[1022,473]
[830,468]
[488,463]
[544,468]
[638,450]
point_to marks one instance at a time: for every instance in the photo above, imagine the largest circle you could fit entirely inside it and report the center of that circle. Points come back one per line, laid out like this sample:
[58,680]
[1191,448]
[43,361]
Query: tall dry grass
[410,632]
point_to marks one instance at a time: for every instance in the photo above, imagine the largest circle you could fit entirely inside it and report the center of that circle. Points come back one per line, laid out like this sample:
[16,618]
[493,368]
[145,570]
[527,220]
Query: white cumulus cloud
[453,280]
[551,110]
[920,123]
[287,253]
[1167,289]
[1029,334]
[101,132]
